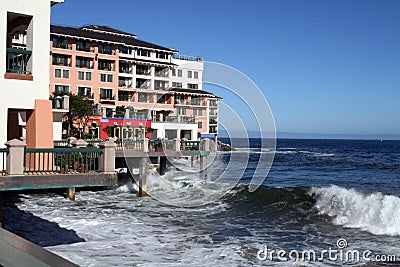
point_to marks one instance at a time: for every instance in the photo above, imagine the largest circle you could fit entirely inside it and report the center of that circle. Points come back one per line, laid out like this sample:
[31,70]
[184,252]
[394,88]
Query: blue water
[316,192]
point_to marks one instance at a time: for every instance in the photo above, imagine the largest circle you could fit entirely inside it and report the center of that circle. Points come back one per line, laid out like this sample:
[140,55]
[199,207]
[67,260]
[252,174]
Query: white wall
[17,93]
[162,126]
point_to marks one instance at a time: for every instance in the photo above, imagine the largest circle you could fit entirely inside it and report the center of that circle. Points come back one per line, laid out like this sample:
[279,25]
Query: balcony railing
[189,58]
[3,157]
[107,98]
[175,119]
[88,96]
[17,60]
[138,115]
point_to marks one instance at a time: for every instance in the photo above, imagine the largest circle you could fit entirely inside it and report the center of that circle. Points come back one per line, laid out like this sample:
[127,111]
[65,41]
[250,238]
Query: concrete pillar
[71,193]
[145,144]
[205,145]
[65,102]
[107,159]
[39,125]
[15,157]
[79,143]
[177,144]
[143,168]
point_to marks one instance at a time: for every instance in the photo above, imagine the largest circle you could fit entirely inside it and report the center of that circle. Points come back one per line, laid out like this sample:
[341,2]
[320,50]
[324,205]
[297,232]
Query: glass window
[181,111]
[103,77]
[81,75]
[197,112]
[189,74]
[179,73]
[143,52]
[173,72]
[200,125]
[66,74]
[88,76]
[176,84]
[61,88]
[196,75]
[143,97]
[162,55]
[109,78]
[105,49]
[106,93]
[57,73]
[193,86]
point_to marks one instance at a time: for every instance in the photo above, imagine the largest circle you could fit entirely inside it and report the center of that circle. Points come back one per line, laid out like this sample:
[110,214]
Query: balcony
[17,61]
[60,102]
[105,98]
[175,119]
[160,72]
[89,96]
[138,115]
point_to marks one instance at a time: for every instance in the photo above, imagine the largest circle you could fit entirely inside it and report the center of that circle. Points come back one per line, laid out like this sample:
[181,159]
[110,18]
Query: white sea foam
[376,213]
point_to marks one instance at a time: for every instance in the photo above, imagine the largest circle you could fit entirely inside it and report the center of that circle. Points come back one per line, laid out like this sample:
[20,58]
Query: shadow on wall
[35,229]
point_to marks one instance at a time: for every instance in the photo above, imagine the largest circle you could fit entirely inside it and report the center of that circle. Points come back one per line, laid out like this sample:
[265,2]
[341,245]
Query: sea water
[317,192]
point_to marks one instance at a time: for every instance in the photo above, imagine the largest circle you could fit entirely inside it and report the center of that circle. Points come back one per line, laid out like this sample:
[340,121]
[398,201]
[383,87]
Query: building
[25,109]
[130,78]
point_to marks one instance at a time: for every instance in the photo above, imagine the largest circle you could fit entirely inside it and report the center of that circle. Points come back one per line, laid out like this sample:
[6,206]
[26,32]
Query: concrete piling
[71,193]
[143,169]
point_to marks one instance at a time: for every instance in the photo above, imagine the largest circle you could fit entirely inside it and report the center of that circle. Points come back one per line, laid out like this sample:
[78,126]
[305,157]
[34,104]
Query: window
[18,57]
[142,84]
[123,96]
[143,52]
[160,85]
[181,111]
[213,111]
[197,112]
[179,73]
[196,75]
[143,98]
[142,70]
[83,46]
[189,74]
[106,93]
[195,100]
[83,62]
[57,73]
[163,99]
[179,99]
[66,74]
[176,84]
[173,72]
[213,102]
[105,49]
[85,92]
[60,43]
[125,50]
[106,78]
[60,60]
[88,76]
[193,86]
[105,65]
[200,125]
[61,88]
[161,72]
[162,55]
[81,75]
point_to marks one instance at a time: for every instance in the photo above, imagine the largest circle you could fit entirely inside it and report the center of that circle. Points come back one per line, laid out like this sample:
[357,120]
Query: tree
[80,110]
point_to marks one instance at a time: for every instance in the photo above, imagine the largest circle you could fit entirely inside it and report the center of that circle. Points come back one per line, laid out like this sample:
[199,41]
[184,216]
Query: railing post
[146,144]
[177,144]
[205,145]
[79,143]
[183,142]
[107,160]
[15,157]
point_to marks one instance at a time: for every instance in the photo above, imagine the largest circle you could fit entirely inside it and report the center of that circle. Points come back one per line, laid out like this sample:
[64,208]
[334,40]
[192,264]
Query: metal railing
[189,58]
[180,119]
[61,143]
[61,160]
[3,161]
[17,60]
[190,145]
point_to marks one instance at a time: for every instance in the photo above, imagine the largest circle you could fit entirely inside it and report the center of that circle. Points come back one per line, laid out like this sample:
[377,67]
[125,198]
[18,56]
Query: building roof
[193,91]
[100,33]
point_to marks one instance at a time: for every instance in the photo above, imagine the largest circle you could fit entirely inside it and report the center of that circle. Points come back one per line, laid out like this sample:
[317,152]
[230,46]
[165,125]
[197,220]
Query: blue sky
[328,67]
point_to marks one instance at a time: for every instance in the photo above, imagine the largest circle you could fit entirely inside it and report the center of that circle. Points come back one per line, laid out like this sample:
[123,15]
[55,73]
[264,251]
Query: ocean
[323,203]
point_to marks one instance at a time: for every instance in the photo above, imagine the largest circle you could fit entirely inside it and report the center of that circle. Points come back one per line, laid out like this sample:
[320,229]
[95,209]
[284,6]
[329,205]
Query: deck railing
[61,143]
[3,160]
[190,145]
[61,160]
[136,145]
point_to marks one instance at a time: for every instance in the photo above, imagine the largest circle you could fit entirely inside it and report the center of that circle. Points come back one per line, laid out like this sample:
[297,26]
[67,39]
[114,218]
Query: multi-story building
[151,82]
[25,108]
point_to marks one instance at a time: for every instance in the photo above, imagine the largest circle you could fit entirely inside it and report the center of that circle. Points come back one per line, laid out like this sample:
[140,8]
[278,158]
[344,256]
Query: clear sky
[324,66]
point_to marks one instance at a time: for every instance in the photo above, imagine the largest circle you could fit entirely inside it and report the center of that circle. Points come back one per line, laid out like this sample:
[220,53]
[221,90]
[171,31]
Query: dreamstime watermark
[340,254]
